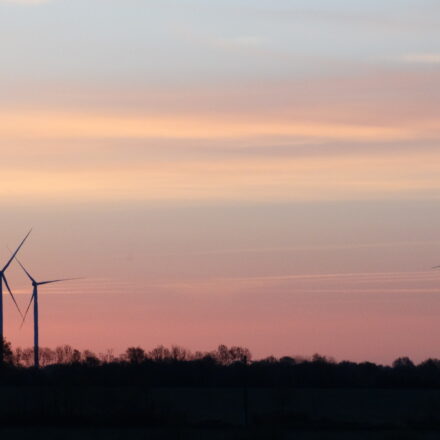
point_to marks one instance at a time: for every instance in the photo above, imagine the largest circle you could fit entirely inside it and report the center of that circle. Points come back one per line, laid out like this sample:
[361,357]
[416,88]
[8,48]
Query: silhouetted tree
[159,353]
[76,357]
[239,354]
[90,359]
[223,355]
[288,360]
[179,353]
[135,355]
[322,359]
[198,355]
[47,356]
[18,352]
[403,362]
[6,350]
[107,357]
[64,354]
[27,357]
[221,367]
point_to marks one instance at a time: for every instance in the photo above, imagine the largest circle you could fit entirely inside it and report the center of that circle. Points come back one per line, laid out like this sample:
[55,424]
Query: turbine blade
[12,295]
[25,271]
[58,281]
[435,267]
[16,252]
[27,310]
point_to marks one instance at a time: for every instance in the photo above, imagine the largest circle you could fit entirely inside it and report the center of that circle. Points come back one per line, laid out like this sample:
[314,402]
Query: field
[218,413]
[68,433]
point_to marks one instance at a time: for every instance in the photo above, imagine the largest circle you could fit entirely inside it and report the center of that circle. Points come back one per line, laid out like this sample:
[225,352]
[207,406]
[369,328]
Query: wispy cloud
[421,58]
[361,178]
[85,125]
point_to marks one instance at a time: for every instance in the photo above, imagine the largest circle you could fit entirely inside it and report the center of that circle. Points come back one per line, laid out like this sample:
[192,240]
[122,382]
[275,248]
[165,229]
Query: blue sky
[216,41]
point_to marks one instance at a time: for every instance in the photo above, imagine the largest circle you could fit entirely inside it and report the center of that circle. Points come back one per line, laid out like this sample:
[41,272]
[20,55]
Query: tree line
[65,355]
[223,367]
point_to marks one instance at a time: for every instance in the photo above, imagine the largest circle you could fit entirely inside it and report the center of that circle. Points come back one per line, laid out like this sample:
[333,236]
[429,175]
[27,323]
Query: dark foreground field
[218,413]
[173,394]
[211,434]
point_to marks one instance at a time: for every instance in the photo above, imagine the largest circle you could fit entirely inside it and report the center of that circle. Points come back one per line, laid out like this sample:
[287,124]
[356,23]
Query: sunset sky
[262,173]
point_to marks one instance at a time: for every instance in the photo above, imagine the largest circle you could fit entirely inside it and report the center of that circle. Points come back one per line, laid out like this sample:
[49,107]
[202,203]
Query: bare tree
[64,354]
[90,359]
[179,353]
[6,351]
[107,357]
[47,356]
[135,355]
[159,353]
[76,356]
[227,356]
[27,357]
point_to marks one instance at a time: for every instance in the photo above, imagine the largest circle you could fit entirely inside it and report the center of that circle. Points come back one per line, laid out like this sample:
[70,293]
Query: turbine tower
[3,279]
[34,298]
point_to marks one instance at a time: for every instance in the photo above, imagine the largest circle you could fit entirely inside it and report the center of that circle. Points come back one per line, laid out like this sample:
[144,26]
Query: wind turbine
[3,279]
[34,298]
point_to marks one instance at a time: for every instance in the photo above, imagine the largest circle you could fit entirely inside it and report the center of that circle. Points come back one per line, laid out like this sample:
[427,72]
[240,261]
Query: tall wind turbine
[34,298]
[3,279]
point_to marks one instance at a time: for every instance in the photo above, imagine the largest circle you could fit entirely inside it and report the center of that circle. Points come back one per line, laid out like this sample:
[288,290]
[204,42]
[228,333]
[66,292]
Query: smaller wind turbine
[34,298]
